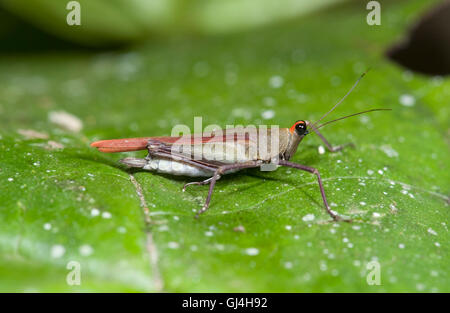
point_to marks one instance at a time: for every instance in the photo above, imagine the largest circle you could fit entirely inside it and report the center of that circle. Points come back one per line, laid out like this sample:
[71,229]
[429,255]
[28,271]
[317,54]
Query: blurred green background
[137,68]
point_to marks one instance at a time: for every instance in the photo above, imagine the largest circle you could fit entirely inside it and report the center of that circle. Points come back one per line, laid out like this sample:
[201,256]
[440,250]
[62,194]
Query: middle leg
[329,145]
[203,182]
[220,171]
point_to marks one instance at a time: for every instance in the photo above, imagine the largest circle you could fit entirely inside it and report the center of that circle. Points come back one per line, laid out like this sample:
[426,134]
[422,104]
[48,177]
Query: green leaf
[135,230]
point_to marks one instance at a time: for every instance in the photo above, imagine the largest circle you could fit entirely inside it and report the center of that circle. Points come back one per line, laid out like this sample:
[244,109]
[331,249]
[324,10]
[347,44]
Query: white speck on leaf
[239,229]
[407,100]
[173,245]
[431,231]
[389,151]
[406,187]
[57,251]
[86,250]
[95,212]
[252,251]
[268,114]
[242,112]
[47,226]
[420,286]
[66,121]
[32,134]
[163,228]
[321,150]
[308,218]
[364,119]
[288,265]
[393,208]
[106,215]
[276,81]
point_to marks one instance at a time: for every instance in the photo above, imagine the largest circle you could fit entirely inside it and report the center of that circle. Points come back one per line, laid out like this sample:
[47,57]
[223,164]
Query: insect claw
[337,218]
[198,213]
[349,144]
[341,147]
[203,209]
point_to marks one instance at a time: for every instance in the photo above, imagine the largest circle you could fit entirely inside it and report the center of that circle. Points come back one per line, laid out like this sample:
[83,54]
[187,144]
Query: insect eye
[300,128]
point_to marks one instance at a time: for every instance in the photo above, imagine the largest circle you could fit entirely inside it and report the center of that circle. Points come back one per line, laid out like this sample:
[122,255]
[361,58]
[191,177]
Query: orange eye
[299,127]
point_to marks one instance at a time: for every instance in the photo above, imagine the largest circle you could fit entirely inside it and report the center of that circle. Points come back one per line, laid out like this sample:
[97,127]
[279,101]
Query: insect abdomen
[173,167]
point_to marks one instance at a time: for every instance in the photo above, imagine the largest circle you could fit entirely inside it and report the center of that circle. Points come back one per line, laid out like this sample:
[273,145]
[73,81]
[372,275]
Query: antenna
[354,114]
[343,98]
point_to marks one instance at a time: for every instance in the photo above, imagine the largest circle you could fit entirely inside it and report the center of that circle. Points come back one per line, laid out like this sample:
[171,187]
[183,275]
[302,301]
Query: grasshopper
[163,158]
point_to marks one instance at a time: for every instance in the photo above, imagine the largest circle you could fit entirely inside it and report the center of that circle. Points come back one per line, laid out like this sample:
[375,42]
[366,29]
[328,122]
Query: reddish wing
[135,144]
[121,145]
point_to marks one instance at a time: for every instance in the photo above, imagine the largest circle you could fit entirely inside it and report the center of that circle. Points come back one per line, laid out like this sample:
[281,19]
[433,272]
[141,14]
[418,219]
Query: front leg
[222,170]
[314,171]
[327,144]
